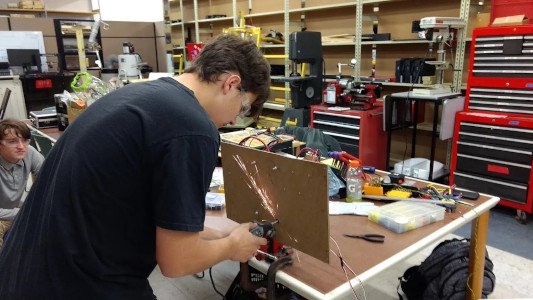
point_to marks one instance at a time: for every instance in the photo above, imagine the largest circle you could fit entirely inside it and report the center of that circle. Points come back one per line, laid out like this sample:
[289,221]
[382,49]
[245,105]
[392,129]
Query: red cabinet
[493,146]
[493,154]
[359,132]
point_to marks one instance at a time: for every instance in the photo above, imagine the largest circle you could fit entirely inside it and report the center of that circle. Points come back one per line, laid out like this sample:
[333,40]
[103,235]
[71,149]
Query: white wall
[112,10]
[130,10]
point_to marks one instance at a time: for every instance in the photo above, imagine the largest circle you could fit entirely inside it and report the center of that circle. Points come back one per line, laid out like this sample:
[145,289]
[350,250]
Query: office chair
[3,107]
[41,143]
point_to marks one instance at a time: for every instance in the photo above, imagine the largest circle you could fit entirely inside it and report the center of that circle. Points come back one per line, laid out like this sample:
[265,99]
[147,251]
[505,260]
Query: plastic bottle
[354,182]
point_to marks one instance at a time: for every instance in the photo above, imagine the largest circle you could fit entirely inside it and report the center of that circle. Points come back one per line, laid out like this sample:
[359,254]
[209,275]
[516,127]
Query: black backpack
[444,274]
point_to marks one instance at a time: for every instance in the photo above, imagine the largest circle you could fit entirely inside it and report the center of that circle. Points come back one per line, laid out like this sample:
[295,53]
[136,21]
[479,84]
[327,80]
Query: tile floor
[513,277]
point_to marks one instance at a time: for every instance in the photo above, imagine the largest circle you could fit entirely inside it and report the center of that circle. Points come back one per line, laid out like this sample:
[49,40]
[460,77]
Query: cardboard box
[74,109]
[503,8]
[511,20]
[26,4]
[12,5]
[21,16]
[38,5]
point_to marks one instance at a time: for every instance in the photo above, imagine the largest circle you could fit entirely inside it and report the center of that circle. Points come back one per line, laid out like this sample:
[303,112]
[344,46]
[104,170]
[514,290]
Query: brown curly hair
[20,128]
[228,53]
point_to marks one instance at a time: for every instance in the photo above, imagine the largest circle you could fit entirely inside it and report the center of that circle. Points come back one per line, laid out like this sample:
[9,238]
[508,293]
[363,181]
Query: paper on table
[350,208]
[218,177]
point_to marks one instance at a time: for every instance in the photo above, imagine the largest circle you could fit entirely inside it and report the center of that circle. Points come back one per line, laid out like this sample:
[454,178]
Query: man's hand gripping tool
[264,229]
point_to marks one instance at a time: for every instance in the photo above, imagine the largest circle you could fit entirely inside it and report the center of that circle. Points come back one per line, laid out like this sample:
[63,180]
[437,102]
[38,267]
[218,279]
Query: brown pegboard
[295,190]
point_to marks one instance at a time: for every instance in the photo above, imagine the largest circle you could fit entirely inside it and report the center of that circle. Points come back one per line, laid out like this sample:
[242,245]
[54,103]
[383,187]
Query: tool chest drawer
[494,152]
[510,191]
[494,168]
[343,138]
[359,132]
[342,128]
[506,56]
[519,101]
[508,137]
[337,118]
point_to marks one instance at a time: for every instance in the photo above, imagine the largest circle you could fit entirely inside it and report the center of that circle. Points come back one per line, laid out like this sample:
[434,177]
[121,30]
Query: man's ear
[231,81]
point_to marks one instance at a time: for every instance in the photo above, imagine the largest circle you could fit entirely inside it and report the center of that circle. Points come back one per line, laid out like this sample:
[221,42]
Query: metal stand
[302,116]
[438,100]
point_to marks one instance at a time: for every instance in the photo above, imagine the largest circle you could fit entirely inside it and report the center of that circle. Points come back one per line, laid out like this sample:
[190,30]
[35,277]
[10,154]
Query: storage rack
[289,13]
[67,43]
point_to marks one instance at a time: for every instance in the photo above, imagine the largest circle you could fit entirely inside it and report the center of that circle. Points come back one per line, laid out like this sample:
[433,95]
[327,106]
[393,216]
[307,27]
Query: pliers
[374,238]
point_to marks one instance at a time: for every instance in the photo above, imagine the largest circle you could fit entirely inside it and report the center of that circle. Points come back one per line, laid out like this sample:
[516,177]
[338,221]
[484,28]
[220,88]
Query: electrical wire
[243,142]
[343,265]
[213,284]
[315,152]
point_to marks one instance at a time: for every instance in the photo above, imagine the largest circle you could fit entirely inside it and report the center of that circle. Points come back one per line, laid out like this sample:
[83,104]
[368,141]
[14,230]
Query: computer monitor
[27,60]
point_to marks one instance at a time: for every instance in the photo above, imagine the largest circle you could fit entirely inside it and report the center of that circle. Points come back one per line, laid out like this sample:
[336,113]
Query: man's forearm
[211,234]
[180,253]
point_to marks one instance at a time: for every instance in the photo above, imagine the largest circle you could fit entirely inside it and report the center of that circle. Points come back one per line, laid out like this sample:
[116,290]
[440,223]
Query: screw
[253,162]
[275,168]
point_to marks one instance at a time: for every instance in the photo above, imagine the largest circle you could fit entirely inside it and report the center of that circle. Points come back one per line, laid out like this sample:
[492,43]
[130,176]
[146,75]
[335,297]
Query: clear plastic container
[354,182]
[403,216]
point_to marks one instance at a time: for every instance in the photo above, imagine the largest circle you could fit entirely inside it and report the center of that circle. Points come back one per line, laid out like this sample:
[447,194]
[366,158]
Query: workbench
[314,279]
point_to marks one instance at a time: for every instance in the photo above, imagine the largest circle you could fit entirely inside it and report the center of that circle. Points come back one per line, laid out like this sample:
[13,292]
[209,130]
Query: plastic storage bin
[403,216]
[418,168]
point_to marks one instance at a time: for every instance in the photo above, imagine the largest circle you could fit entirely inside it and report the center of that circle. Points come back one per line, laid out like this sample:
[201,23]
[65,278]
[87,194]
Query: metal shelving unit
[358,43]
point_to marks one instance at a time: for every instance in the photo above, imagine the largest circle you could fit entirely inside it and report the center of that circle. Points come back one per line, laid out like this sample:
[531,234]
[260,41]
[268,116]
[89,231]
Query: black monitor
[28,59]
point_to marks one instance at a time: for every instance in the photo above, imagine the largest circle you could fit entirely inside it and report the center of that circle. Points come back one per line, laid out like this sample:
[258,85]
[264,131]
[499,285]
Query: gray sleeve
[8,214]
[36,160]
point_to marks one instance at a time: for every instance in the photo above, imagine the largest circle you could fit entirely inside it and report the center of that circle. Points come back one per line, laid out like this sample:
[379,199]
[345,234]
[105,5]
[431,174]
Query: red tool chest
[493,137]
[493,154]
[359,132]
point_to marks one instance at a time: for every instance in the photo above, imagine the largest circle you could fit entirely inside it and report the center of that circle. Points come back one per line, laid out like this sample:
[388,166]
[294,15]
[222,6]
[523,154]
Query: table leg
[476,265]
[414,121]
[433,139]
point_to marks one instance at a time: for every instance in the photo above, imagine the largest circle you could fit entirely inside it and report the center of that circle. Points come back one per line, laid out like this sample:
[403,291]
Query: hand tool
[263,228]
[268,255]
[374,238]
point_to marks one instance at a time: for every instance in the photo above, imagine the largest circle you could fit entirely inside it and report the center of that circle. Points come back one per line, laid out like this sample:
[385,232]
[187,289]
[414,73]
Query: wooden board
[295,192]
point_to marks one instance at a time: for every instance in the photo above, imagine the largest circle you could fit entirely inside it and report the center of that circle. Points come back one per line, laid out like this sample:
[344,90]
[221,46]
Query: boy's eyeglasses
[246,106]
[15,142]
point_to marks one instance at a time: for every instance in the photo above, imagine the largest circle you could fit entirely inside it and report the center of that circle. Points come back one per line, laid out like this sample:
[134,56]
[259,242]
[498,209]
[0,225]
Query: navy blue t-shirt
[139,157]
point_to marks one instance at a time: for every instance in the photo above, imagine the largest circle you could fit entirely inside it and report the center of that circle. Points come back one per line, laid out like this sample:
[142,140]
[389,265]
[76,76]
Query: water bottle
[354,182]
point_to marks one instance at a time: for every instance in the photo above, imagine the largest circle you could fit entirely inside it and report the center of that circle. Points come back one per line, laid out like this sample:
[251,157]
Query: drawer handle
[498,169]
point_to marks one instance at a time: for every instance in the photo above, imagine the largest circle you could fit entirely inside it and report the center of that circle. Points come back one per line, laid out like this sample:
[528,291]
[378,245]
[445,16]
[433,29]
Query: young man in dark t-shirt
[124,187]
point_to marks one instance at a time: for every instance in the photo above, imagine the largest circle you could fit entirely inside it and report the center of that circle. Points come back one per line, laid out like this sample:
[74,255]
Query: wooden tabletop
[315,279]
